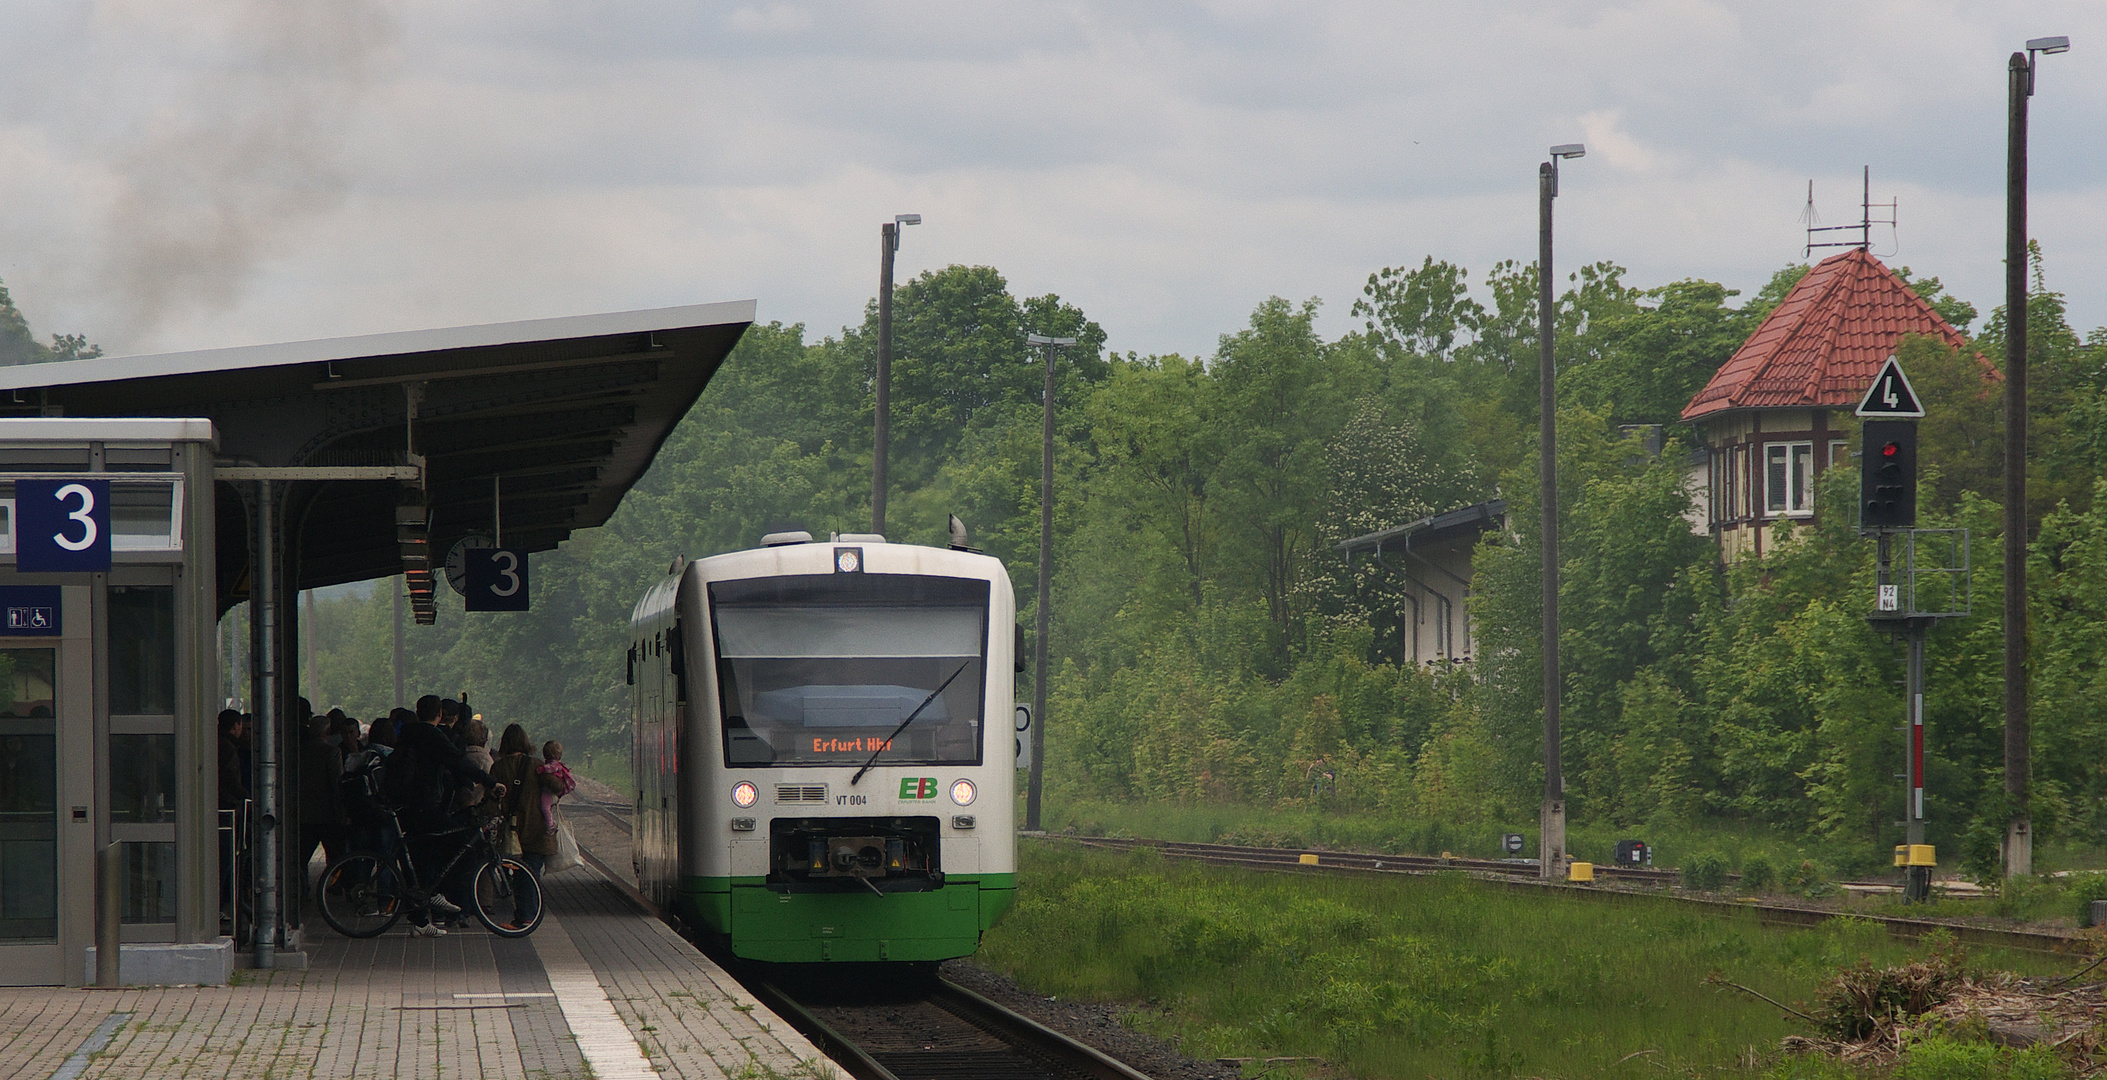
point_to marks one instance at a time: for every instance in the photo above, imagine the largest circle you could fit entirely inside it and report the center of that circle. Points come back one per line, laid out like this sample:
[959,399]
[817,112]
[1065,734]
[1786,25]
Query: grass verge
[1411,977]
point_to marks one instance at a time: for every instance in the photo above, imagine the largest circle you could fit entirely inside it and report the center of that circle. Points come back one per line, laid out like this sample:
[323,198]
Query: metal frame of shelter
[355,458]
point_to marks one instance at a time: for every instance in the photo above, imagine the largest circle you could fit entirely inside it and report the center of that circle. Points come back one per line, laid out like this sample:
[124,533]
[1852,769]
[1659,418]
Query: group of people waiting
[432,766]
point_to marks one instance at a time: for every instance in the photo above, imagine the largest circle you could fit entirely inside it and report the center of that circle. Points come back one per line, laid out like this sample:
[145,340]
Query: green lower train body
[785,927]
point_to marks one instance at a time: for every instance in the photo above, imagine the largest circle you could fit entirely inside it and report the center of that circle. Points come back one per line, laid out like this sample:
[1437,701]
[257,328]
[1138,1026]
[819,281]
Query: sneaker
[441,904]
[427,930]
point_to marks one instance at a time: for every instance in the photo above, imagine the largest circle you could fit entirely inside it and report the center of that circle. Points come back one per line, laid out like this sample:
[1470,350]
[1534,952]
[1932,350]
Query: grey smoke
[215,176]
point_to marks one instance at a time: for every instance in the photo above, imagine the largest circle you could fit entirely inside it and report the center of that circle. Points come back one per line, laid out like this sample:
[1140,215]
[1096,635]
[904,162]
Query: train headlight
[745,794]
[962,792]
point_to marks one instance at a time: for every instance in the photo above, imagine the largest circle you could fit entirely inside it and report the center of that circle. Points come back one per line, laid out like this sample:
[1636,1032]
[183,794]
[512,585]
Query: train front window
[822,669]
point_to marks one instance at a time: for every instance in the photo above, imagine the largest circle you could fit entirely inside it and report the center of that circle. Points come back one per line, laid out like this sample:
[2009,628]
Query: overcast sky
[189,173]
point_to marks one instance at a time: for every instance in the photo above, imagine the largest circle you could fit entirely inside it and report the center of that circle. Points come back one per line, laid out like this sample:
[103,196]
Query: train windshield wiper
[888,741]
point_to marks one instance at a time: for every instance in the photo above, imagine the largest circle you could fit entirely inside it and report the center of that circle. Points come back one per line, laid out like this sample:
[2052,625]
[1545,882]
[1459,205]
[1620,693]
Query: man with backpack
[421,777]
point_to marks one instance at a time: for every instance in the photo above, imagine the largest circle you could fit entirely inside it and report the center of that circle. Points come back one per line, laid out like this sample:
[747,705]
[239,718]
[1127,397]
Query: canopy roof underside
[564,414]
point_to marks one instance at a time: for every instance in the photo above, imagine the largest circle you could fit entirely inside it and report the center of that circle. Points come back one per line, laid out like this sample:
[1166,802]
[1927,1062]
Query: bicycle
[365,893]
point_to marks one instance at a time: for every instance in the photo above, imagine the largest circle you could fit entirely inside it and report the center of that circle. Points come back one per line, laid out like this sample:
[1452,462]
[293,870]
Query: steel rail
[1522,876]
[1365,860]
[1003,1024]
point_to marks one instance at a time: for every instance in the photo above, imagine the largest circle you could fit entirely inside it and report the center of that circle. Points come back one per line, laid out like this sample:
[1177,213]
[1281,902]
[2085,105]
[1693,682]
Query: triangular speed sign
[1890,395]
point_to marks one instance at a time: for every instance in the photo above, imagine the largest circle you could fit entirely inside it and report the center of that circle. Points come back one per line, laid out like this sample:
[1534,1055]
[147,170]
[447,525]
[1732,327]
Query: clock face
[457,560]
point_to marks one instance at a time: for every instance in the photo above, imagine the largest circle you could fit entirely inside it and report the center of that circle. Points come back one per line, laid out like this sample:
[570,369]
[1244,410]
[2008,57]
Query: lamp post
[1551,842]
[2019,840]
[888,245]
[1048,346]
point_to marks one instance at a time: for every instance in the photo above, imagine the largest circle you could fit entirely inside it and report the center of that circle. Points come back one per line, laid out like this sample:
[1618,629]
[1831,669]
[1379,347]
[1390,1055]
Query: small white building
[1432,557]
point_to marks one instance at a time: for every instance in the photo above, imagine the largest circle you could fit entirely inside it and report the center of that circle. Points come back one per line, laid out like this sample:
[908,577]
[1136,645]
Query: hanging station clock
[457,560]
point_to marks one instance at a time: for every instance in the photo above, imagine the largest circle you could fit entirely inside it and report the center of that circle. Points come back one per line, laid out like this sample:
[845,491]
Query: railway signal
[1888,509]
[1888,475]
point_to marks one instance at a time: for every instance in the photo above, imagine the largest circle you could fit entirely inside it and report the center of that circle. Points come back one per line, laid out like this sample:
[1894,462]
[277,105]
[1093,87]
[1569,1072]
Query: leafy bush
[1943,1057]
[1809,878]
[1706,871]
[1757,873]
[2083,890]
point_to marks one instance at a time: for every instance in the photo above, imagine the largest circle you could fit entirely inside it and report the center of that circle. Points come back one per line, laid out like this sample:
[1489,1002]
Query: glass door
[29,803]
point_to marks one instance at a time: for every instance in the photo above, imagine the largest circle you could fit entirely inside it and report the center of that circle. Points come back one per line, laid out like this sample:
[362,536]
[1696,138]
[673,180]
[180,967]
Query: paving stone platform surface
[556,1004]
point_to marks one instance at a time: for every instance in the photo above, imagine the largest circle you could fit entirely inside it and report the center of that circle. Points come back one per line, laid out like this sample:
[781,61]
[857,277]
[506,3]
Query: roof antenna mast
[1866,220]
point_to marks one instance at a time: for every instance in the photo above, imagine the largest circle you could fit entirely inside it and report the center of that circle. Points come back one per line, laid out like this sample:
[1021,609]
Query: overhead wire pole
[1551,840]
[1034,786]
[400,699]
[2019,841]
[888,246]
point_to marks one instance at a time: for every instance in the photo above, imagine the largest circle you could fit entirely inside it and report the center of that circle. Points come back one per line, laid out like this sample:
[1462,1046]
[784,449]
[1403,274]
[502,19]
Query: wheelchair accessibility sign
[29,610]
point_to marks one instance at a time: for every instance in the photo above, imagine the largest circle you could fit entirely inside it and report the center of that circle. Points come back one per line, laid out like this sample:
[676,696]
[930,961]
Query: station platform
[599,990]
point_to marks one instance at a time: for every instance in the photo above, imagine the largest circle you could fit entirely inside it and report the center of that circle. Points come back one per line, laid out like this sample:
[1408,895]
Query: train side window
[678,662]
[632,665]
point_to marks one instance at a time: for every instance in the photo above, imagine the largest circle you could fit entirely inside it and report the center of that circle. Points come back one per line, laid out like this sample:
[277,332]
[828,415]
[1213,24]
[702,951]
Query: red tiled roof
[1825,341]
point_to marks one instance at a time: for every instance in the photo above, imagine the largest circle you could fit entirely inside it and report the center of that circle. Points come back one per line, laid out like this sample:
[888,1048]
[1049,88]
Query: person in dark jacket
[520,771]
[435,768]
[321,800]
[233,762]
[233,795]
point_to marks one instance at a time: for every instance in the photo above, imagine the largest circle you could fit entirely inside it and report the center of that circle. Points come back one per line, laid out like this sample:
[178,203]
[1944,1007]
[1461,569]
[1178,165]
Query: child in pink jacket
[565,783]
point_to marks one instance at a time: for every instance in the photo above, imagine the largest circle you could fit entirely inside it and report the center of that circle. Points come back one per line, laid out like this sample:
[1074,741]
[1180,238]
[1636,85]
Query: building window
[1788,478]
[1741,483]
[1728,488]
[1716,486]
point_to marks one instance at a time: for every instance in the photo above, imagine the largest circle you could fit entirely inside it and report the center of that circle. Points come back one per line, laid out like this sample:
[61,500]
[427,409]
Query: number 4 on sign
[1890,396]
[497,579]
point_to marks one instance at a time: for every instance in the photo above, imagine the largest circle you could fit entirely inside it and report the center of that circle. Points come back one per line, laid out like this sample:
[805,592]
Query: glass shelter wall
[105,716]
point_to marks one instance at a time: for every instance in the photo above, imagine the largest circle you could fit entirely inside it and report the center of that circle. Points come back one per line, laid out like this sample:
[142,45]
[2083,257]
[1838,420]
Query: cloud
[179,173]
[770,19]
[1615,146]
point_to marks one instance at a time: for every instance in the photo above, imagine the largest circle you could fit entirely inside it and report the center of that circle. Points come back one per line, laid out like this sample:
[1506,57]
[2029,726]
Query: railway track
[936,1030]
[947,1033]
[1337,860]
[1523,876]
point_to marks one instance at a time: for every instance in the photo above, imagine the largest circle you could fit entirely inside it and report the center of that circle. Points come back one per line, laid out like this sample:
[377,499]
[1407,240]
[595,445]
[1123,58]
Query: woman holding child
[525,783]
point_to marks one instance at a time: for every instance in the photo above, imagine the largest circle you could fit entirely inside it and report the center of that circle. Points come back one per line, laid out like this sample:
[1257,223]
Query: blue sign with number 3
[497,579]
[62,526]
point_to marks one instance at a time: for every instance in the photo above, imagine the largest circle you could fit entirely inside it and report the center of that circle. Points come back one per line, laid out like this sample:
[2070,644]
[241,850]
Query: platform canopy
[562,415]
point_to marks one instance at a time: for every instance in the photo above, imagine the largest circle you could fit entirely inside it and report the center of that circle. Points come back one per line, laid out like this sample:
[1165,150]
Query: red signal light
[1891,450]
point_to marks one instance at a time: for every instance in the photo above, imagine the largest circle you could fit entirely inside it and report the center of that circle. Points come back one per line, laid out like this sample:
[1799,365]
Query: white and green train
[824,754]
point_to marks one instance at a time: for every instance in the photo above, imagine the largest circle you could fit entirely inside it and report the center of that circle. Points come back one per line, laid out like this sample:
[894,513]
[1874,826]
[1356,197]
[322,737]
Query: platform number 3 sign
[497,579]
[62,526]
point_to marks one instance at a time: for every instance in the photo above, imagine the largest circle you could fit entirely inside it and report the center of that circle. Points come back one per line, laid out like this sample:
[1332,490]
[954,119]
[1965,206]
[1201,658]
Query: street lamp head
[2049,45]
[1042,339]
[1569,150]
[907,219]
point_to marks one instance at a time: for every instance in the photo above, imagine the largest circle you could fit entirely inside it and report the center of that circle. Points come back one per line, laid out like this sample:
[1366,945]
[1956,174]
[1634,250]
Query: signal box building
[1781,409]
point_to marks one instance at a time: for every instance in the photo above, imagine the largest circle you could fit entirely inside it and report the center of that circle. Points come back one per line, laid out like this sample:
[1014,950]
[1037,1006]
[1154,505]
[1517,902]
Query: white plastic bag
[566,855]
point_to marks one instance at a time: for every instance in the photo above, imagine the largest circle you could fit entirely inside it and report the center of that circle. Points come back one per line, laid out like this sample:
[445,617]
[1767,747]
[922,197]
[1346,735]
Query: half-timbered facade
[1780,410]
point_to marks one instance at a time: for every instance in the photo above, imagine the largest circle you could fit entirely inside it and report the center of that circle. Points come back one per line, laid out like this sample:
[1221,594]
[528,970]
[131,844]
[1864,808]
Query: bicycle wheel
[359,895]
[507,897]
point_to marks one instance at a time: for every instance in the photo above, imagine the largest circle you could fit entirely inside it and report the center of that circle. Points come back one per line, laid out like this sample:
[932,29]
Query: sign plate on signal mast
[1890,396]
